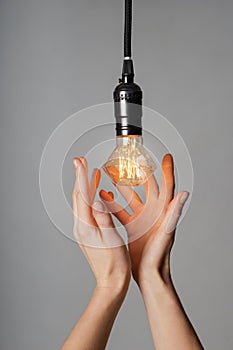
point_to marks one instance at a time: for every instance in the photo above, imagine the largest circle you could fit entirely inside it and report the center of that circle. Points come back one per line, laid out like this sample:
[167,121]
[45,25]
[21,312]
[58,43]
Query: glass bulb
[129,164]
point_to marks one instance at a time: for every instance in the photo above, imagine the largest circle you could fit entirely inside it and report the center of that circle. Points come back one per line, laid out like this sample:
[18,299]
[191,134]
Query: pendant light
[129,164]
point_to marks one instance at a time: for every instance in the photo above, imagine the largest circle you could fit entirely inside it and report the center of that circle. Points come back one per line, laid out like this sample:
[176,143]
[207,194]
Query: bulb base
[128,103]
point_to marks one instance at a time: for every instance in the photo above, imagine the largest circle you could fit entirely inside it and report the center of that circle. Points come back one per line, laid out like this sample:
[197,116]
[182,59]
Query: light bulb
[129,164]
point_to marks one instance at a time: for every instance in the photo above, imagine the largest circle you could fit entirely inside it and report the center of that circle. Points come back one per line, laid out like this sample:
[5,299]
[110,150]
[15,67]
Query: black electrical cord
[128,28]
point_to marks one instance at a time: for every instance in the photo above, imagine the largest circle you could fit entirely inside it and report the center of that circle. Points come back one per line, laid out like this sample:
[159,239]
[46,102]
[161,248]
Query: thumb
[102,216]
[174,211]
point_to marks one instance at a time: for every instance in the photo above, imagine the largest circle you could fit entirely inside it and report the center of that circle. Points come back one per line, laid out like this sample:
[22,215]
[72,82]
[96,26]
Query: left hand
[96,234]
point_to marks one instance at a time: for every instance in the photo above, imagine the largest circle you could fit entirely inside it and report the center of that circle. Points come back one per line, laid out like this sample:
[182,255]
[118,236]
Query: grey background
[58,57]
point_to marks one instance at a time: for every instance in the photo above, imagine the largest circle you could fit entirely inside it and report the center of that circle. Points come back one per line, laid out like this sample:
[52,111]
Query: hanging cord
[127,69]
[128,28]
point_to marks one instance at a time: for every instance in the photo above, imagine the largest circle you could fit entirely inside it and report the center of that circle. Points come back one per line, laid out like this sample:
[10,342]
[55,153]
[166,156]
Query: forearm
[93,329]
[170,326]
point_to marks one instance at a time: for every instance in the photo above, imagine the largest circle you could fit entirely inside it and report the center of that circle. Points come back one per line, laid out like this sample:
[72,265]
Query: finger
[116,209]
[75,190]
[108,195]
[111,194]
[94,183]
[168,182]
[102,216]
[174,212]
[151,187]
[112,172]
[81,192]
[85,164]
[109,234]
[132,198]
[84,161]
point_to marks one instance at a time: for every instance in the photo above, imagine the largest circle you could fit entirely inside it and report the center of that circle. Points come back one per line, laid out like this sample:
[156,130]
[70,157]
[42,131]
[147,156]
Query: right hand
[151,227]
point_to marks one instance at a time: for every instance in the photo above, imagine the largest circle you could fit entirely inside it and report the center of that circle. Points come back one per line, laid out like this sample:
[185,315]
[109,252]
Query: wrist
[110,295]
[155,280]
[114,288]
[162,293]
[156,270]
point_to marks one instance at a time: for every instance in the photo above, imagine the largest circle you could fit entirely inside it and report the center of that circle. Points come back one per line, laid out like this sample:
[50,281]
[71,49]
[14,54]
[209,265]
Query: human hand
[96,234]
[151,227]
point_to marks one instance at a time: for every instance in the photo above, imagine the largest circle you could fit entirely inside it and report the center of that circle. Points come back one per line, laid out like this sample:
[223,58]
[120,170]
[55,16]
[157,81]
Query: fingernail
[184,197]
[75,162]
[104,195]
[111,195]
[83,160]
[98,206]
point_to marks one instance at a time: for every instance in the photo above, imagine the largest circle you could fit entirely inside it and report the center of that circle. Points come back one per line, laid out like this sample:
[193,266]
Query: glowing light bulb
[129,164]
